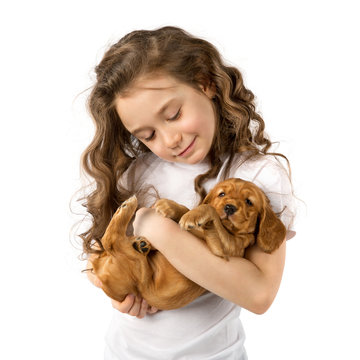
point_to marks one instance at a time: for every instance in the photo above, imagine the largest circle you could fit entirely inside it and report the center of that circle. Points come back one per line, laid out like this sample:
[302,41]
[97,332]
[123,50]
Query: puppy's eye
[248,202]
[222,194]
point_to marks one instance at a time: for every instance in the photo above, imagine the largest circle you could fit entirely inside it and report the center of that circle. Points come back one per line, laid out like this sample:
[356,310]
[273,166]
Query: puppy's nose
[229,209]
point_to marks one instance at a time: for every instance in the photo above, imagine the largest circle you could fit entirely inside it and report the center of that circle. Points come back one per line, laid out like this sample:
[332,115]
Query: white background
[301,60]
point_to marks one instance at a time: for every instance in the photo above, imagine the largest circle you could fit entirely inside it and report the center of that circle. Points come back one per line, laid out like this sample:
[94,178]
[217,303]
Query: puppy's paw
[164,207]
[195,220]
[141,245]
[128,205]
[169,209]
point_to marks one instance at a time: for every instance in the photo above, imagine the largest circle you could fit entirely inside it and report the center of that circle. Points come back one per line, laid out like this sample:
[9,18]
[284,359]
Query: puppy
[234,215]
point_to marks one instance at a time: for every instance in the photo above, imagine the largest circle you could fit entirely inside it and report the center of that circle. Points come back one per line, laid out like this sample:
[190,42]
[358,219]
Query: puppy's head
[112,266]
[245,209]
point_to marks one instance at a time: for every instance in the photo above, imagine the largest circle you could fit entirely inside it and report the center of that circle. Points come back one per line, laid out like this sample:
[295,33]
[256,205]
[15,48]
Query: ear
[209,89]
[271,231]
[208,198]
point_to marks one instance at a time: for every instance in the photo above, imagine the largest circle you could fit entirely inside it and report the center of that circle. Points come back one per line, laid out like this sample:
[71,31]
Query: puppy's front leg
[170,209]
[204,222]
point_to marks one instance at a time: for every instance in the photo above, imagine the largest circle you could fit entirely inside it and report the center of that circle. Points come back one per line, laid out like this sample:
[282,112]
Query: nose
[229,209]
[172,139]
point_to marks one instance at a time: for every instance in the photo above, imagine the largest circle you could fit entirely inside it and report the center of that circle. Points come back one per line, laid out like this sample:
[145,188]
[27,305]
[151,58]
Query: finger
[143,309]
[97,282]
[124,306]
[152,310]
[135,309]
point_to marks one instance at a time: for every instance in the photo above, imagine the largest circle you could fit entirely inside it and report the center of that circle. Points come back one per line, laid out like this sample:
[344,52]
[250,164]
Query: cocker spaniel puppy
[234,215]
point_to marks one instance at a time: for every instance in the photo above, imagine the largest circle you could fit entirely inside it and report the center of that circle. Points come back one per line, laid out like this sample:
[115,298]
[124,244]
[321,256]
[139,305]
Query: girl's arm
[250,282]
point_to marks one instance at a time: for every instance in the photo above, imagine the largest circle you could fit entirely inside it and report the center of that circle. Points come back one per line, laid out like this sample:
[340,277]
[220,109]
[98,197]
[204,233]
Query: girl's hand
[134,305]
[143,220]
[151,225]
[131,305]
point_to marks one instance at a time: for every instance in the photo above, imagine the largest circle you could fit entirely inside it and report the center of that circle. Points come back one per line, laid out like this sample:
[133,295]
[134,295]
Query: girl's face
[175,121]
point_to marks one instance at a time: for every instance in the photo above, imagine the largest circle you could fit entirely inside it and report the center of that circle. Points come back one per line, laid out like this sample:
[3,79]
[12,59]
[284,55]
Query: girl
[170,115]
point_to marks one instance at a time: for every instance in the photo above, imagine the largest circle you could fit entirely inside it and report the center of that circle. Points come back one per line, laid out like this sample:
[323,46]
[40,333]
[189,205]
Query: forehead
[147,96]
[237,187]
[154,82]
[154,87]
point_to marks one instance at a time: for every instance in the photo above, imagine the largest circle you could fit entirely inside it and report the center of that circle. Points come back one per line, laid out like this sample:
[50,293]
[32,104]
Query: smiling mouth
[187,149]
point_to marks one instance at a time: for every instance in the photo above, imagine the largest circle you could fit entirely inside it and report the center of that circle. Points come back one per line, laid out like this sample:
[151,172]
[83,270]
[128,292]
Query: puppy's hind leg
[142,245]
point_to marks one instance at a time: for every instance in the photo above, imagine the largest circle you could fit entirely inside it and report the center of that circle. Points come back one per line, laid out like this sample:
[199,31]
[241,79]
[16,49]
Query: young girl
[170,115]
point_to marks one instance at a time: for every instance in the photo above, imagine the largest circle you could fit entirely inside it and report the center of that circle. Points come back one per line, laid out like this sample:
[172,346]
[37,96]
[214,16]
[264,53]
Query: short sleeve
[270,175]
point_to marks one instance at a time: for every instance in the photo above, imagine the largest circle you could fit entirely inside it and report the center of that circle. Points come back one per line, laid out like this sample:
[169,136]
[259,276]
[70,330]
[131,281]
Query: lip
[188,149]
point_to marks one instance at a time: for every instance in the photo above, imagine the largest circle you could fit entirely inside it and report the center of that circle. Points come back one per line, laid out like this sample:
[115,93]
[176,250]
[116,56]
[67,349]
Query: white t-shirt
[209,327]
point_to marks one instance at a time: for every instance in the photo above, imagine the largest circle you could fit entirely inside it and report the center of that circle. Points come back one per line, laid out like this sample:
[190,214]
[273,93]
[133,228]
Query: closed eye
[150,137]
[176,116]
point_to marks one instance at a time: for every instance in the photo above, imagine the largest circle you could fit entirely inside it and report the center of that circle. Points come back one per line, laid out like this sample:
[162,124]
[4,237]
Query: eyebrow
[159,112]
[165,106]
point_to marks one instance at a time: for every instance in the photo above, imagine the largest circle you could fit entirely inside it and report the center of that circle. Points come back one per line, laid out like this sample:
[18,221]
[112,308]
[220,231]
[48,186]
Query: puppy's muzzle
[229,209]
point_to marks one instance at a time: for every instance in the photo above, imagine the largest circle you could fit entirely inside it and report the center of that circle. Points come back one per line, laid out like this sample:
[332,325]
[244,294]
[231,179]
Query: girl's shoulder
[269,170]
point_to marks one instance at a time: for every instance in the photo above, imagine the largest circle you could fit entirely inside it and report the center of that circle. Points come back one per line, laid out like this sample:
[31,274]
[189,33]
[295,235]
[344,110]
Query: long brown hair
[193,61]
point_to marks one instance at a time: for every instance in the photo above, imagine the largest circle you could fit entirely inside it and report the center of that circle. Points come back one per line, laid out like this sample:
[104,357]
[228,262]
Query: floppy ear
[208,197]
[271,231]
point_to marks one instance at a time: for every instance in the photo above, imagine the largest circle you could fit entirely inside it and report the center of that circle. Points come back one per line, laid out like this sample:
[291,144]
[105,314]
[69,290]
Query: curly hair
[190,60]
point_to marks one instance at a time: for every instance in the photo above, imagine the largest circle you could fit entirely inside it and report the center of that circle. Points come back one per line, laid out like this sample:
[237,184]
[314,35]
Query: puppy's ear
[271,231]
[208,198]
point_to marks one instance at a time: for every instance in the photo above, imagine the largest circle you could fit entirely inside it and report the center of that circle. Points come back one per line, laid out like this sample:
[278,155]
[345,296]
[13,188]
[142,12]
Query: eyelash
[150,137]
[171,119]
[176,116]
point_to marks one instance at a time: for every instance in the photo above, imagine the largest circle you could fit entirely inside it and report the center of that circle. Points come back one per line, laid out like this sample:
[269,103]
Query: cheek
[157,149]
[207,125]
[252,218]
[193,123]
[201,126]
[219,204]
[201,119]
